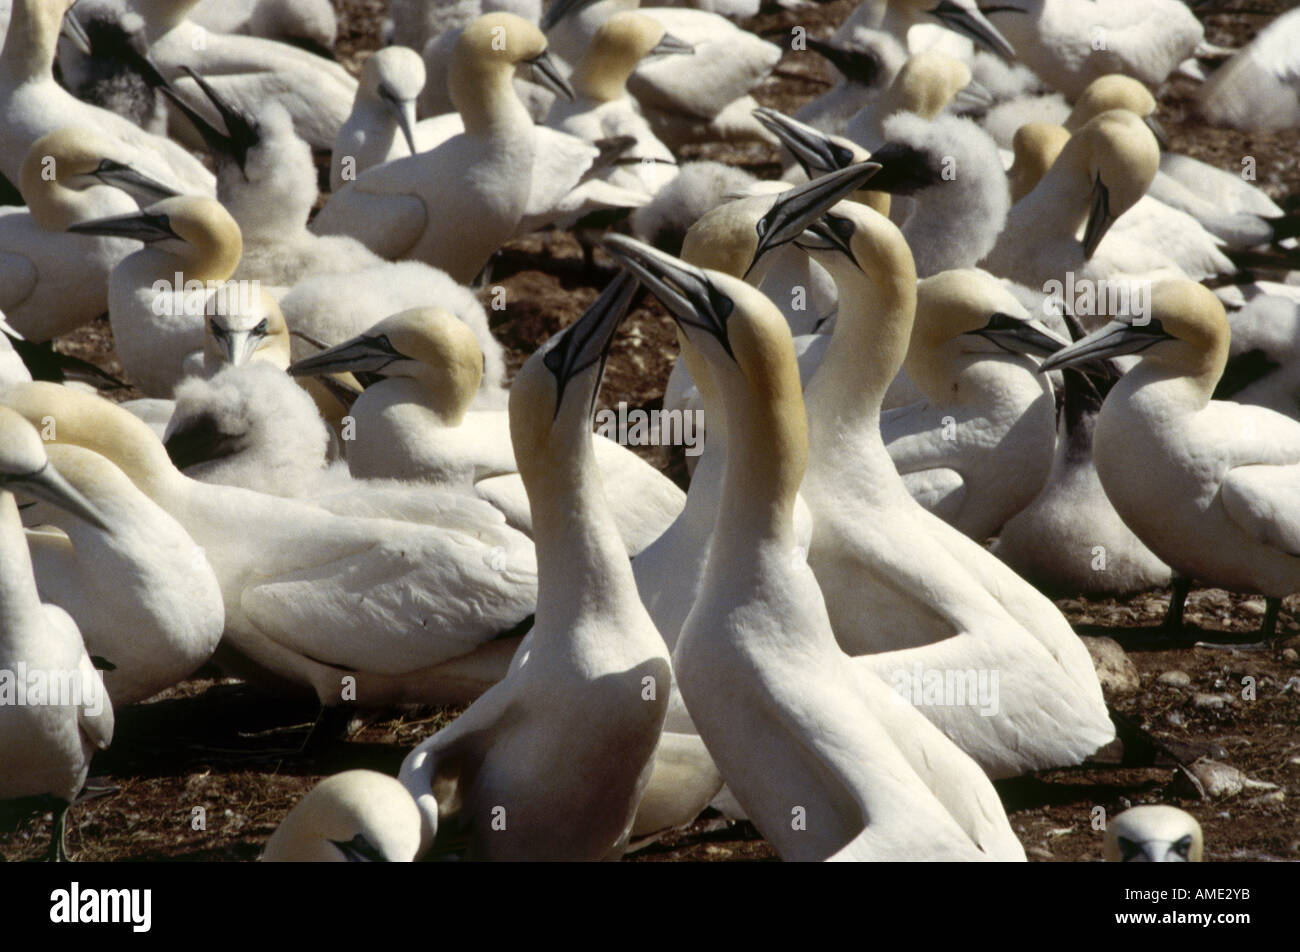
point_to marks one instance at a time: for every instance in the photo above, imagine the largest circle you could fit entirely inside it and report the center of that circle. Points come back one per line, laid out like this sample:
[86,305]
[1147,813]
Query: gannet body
[551,762]
[311,24]
[1258,89]
[47,746]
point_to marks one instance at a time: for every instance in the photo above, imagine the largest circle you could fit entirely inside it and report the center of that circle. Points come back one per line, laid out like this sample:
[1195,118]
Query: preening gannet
[138,587]
[415,207]
[826,761]
[358,609]
[1258,89]
[33,104]
[1153,834]
[417,422]
[157,325]
[986,411]
[357,816]
[52,282]
[46,746]
[551,763]
[1226,513]
[895,577]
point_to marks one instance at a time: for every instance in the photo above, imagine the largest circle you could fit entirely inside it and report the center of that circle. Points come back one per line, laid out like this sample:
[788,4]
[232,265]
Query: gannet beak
[144,189]
[241,132]
[689,296]
[359,849]
[857,66]
[547,75]
[1019,336]
[964,17]
[364,353]
[1099,218]
[46,484]
[560,9]
[144,226]
[904,169]
[829,233]
[238,347]
[811,148]
[974,96]
[404,111]
[797,208]
[586,342]
[1113,340]
[1155,851]
[1157,130]
[75,32]
[670,45]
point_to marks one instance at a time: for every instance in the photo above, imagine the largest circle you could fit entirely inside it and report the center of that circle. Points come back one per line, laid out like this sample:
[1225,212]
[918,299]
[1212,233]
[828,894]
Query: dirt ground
[167,800]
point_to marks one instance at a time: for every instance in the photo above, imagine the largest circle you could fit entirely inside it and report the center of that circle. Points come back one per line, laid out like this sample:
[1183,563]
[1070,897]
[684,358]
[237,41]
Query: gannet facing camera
[384,109]
[1153,834]
[550,763]
[1227,509]
[46,747]
[358,816]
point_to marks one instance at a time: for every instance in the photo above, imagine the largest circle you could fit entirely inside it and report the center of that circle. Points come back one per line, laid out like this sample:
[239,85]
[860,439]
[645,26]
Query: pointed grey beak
[241,131]
[797,208]
[964,17]
[684,290]
[973,96]
[145,226]
[144,189]
[1113,340]
[404,112]
[1019,336]
[238,346]
[76,33]
[46,484]
[585,343]
[857,66]
[547,75]
[669,45]
[1099,218]
[363,353]
[560,9]
[815,152]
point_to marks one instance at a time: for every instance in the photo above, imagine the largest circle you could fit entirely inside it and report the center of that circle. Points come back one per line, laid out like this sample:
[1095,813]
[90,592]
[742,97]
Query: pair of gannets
[415,207]
[552,761]
[822,756]
[1227,472]
[357,608]
[33,104]
[47,742]
[52,282]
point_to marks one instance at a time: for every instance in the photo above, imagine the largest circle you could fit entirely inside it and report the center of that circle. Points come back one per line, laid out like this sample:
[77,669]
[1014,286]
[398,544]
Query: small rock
[1211,702]
[1268,799]
[1256,606]
[1290,654]
[1039,853]
[1210,778]
[1115,670]
[1174,718]
[1175,679]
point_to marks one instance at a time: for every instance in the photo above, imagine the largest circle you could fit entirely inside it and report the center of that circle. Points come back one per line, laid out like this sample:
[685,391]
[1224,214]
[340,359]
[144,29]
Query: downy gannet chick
[437,590]
[112,76]
[357,816]
[898,579]
[157,325]
[550,764]
[986,411]
[419,421]
[143,594]
[52,282]
[795,728]
[46,747]
[1153,834]
[925,86]
[415,207]
[1227,471]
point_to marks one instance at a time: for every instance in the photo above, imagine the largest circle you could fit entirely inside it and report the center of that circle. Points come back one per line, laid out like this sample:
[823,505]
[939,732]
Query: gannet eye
[262,327]
[1183,847]
[1129,850]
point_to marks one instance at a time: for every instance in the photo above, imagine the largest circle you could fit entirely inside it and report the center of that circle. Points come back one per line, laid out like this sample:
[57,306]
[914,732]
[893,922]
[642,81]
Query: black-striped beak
[1099,218]
[242,132]
[144,226]
[797,208]
[1016,335]
[816,153]
[144,189]
[365,353]
[585,343]
[547,75]
[1113,340]
[47,485]
[964,17]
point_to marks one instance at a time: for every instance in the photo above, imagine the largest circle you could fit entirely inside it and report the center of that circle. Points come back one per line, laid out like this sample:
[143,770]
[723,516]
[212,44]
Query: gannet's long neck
[54,206]
[601,78]
[1186,385]
[162,16]
[485,97]
[948,377]
[20,606]
[31,41]
[1057,206]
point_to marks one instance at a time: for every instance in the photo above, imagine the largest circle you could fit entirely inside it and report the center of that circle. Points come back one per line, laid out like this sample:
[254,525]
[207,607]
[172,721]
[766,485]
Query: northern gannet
[1153,834]
[414,207]
[823,757]
[357,816]
[33,104]
[868,61]
[1258,89]
[137,586]
[1226,514]
[437,590]
[417,422]
[381,125]
[157,325]
[953,27]
[550,764]
[898,579]
[925,85]
[52,282]
[46,746]
[985,411]
[311,24]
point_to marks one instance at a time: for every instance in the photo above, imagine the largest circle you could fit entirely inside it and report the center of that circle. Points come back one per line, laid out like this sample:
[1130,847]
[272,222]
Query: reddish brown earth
[161,779]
